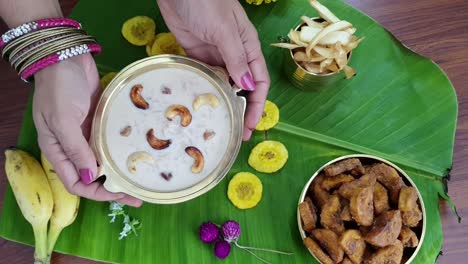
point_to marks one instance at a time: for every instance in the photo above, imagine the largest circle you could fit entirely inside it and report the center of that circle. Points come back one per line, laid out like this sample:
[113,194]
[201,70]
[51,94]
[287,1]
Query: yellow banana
[33,194]
[65,205]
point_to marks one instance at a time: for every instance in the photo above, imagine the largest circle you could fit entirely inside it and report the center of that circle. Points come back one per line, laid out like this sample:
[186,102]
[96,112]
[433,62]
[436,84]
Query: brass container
[116,180]
[303,79]
[406,178]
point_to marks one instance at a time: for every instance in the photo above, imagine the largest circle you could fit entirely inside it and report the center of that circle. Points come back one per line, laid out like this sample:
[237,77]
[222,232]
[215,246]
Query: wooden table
[437,29]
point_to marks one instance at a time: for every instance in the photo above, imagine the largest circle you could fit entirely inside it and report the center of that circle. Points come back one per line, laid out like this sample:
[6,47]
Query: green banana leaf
[400,107]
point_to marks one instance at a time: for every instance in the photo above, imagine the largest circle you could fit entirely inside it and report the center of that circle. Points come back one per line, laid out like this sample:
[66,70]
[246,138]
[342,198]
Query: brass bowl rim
[305,190]
[118,182]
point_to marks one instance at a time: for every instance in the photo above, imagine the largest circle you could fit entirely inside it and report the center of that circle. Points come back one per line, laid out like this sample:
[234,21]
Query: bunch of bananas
[41,197]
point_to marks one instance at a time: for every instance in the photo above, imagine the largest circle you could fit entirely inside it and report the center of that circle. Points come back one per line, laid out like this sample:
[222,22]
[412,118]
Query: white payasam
[163,88]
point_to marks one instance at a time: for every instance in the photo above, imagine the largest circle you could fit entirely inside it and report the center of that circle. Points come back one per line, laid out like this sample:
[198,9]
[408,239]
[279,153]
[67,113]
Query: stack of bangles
[36,45]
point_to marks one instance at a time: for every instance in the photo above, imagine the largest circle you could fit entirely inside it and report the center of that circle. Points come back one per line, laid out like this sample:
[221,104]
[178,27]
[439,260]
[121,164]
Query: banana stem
[54,233]
[40,237]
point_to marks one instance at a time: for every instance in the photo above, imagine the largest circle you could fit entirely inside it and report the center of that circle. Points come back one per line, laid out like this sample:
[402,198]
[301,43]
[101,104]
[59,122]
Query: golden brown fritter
[361,206]
[408,237]
[330,183]
[343,166]
[318,193]
[385,230]
[408,205]
[345,212]
[391,254]
[330,216]
[346,261]
[353,245]
[348,189]
[315,249]
[329,242]
[308,214]
[389,178]
[380,199]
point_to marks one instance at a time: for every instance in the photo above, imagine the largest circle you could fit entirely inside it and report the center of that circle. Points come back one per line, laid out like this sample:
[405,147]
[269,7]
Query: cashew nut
[198,159]
[205,99]
[137,157]
[155,142]
[179,110]
[137,99]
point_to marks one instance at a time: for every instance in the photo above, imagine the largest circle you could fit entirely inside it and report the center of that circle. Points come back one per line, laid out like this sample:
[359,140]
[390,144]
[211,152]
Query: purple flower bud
[231,231]
[222,249]
[208,232]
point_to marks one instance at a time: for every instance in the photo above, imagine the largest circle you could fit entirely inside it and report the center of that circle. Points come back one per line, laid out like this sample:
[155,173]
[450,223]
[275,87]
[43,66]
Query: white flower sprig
[130,224]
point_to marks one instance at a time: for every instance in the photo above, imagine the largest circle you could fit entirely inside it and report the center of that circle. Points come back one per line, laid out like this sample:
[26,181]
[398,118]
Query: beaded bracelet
[36,25]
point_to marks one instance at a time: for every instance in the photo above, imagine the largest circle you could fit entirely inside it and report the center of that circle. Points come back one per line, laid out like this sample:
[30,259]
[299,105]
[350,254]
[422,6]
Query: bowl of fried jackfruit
[361,209]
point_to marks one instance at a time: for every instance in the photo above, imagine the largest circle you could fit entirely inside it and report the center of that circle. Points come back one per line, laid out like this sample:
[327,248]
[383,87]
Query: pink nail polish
[248,82]
[86,176]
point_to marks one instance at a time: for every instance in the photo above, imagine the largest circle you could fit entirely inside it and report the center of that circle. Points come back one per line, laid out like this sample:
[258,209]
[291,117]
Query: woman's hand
[219,32]
[64,100]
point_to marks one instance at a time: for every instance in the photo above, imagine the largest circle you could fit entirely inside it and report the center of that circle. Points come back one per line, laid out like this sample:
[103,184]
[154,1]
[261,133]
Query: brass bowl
[402,173]
[117,180]
[303,79]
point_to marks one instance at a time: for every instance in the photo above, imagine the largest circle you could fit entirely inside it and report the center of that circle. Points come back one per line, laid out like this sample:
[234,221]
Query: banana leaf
[400,107]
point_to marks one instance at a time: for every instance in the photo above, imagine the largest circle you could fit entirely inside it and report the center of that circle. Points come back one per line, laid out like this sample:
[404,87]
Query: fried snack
[166,43]
[408,205]
[268,156]
[408,237]
[139,30]
[270,117]
[330,216]
[329,241]
[245,190]
[106,79]
[330,183]
[361,206]
[385,230]
[346,260]
[342,166]
[308,214]
[345,212]
[320,195]
[391,254]
[353,245]
[380,199]
[315,249]
[347,190]
[389,178]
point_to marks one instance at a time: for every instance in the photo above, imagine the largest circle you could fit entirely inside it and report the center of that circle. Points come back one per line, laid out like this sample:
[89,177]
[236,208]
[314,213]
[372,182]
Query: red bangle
[36,25]
[27,73]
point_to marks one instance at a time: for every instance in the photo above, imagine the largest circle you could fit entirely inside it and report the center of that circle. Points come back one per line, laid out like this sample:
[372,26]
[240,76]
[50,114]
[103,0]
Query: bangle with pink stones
[36,45]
